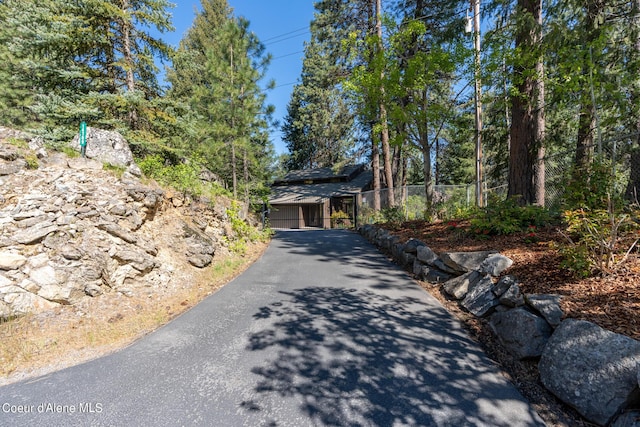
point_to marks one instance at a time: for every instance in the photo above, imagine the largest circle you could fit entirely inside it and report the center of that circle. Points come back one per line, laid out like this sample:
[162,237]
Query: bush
[507,217]
[598,240]
[394,215]
[340,219]
[184,177]
[243,232]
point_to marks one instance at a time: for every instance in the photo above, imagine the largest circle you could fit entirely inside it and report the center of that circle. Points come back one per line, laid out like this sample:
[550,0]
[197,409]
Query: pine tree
[216,72]
[318,128]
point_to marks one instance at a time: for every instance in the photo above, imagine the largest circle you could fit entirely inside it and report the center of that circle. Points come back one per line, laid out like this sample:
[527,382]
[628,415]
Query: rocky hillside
[71,230]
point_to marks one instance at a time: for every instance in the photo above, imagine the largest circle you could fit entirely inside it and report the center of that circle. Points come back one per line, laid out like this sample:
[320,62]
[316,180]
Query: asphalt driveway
[322,330]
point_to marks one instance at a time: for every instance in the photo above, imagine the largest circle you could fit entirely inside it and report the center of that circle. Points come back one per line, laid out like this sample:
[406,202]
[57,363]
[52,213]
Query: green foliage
[367,215]
[32,160]
[243,232]
[184,177]
[117,171]
[591,187]
[598,240]
[507,217]
[394,215]
[340,219]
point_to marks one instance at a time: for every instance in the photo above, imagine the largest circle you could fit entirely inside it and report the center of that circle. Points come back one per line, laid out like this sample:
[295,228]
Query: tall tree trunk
[375,165]
[129,63]
[587,120]
[384,137]
[633,187]
[245,165]
[526,156]
[426,169]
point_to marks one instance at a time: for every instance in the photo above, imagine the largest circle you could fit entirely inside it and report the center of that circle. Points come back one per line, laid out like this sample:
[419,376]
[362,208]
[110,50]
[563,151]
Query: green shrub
[508,217]
[340,219]
[598,240]
[243,232]
[393,215]
[592,187]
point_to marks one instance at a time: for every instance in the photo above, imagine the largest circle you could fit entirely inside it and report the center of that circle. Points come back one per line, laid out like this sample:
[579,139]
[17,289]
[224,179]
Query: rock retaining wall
[595,371]
[70,230]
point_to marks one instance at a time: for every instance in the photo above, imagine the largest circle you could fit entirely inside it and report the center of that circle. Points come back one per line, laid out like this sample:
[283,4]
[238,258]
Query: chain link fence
[450,200]
[411,203]
[615,154]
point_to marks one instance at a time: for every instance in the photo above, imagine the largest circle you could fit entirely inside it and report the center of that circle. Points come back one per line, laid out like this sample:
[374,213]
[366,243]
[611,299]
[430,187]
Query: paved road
[322,330]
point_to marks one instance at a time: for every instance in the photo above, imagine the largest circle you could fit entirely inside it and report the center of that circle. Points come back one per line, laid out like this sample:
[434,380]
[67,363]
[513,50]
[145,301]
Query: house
[309,198]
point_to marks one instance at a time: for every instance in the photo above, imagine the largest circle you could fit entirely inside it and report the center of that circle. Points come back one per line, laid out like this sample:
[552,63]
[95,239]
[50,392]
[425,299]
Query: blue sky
[282,25]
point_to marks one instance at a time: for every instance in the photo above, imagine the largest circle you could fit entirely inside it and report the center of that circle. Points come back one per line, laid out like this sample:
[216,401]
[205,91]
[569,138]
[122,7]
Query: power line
[288,54]
[285,84]
[286,36]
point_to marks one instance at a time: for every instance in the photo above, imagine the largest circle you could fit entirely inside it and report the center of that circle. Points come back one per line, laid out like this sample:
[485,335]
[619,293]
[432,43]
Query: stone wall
[595,371]
[70,230]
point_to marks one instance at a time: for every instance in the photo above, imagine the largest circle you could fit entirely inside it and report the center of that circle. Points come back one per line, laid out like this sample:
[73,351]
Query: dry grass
[37,344]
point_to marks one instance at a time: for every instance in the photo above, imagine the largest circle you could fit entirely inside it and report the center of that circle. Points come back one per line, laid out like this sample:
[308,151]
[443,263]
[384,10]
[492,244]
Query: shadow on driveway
[359,357]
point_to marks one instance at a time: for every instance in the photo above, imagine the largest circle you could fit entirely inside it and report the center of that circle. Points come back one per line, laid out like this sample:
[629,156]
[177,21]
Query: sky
[282,26]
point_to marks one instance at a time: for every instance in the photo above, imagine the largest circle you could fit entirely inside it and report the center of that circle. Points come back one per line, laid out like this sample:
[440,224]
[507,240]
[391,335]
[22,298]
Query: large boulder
[459,286]
[591,369]
[106,146]
[480,300]
[463,262]
[495,264]
[426,255]
[521,332]
[548,306]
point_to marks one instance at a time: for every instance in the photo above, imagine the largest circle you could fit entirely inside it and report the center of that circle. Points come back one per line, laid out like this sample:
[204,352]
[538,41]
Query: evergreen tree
[82,61]
[318,126]
[216,72]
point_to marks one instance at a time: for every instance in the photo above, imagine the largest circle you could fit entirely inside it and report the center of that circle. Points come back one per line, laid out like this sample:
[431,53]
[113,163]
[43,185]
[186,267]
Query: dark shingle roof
[318,175]
[352,179]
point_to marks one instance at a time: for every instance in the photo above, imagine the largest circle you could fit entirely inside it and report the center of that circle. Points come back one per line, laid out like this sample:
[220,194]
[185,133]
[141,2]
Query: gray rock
[22,215]
[495,264]
[459,286]
[480,300]
[78,163]
[44,276]
[9,168]
[521,332]
[5,310]
[591,369]
[4,281]
[440,265]
[8,152]
[406,259]
[512,297]
[200,260]
[26,302]
[35,234]
[627,419]
[93,290]
[431,275]
[71,252]
[465,261]
[138,260]
[412,246]
[11,260]
[200,249]
[106,147]
[548,306]
[117,231]
[426,255]
[504,284]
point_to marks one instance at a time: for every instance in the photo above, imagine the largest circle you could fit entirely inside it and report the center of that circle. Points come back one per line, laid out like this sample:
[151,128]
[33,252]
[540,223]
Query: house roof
[318,175]
[352,179]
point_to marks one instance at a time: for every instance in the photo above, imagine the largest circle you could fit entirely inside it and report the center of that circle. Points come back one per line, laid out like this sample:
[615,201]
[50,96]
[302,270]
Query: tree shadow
[360,358]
